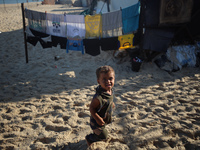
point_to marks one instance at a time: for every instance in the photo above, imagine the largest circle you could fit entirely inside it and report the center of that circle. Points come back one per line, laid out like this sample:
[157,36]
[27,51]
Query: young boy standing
[101,104]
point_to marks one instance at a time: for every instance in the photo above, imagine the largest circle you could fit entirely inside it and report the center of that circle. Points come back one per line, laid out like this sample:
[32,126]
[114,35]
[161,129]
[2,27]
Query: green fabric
[106,103]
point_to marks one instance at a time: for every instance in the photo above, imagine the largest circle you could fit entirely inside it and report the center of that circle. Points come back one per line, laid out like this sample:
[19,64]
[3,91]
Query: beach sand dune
[44,104]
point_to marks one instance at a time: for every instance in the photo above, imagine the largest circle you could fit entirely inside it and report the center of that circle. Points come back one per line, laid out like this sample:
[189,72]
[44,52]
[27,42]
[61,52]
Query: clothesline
[111,24]
[109,31]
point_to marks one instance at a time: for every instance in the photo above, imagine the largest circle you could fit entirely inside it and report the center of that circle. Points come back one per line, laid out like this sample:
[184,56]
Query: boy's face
[106,80]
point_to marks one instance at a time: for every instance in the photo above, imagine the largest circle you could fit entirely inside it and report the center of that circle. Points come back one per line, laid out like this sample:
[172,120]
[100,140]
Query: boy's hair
[104,69]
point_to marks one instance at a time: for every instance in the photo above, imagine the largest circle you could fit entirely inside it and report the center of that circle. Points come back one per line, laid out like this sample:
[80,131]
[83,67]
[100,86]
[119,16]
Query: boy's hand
[94,106]
[100,121]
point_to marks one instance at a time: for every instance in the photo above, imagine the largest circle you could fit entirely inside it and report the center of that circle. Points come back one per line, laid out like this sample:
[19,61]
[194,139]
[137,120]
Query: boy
[101,104]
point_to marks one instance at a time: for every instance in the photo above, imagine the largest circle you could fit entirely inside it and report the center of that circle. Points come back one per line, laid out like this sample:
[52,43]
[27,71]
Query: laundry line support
[24,29]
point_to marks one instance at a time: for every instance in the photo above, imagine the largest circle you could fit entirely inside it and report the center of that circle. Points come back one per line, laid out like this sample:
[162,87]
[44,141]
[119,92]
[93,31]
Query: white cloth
[75,26]
[56,25]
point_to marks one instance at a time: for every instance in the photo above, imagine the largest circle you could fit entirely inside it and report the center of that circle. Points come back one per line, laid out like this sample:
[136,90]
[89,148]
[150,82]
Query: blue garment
[75,45]
[130,18]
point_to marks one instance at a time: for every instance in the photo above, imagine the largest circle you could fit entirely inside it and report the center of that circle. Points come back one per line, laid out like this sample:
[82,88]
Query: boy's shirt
[106,103]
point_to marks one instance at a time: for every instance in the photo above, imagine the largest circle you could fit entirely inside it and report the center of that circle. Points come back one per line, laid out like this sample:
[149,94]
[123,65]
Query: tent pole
[141,28]
[24,28]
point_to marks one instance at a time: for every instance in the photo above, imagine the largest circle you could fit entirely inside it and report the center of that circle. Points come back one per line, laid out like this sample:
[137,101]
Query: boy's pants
[99,132]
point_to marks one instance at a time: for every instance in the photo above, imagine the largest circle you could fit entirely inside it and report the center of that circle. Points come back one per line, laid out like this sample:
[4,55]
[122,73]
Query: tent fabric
[175,11]
[112,24]
[157,39]
[151,13]
[130,18]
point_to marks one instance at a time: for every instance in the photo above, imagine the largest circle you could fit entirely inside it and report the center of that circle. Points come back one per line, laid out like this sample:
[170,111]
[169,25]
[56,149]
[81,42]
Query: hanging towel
[92,46]
[93,26]
[36,20]
[126,41]
[56,25]
[130,18]
[112,24]
[75,45]
[75,26]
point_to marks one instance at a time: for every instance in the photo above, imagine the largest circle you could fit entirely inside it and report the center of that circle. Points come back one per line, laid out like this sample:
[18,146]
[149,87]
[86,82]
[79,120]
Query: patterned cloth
[93,26]
[36,20]
[56,25]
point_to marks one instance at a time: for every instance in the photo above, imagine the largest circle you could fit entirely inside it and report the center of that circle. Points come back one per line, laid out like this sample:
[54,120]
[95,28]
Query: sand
[44,104]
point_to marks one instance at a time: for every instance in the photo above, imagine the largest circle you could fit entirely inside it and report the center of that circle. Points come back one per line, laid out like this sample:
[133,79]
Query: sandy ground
[45,104]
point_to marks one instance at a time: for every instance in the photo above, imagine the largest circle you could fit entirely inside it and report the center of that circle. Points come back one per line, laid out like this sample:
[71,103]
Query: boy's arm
[93,110]
[113,106]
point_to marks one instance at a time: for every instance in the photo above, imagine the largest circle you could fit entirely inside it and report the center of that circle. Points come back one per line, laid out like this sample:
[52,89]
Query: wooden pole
[24,28]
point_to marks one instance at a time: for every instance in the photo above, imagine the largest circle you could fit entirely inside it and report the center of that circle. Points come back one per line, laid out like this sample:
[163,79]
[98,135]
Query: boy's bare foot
[88,143]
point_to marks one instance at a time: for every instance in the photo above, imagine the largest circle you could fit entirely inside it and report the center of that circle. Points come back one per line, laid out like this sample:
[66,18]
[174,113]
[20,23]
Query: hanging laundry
[62,41]
[36,20]
[38,33]
[112,24]
[130,18]
[32,39]
[46,42]
[75,45]
[93,26]
[56,25]
[75,26]
[126,41]
[92,46]
[111,43]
